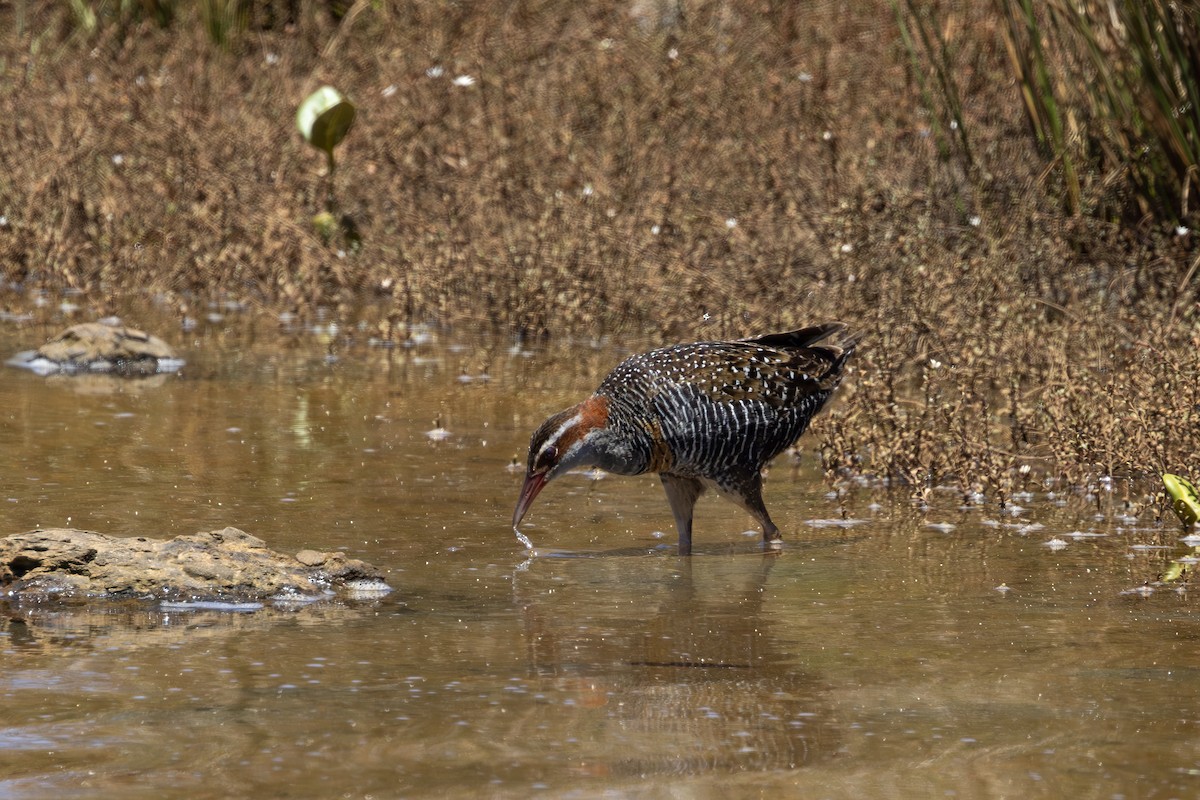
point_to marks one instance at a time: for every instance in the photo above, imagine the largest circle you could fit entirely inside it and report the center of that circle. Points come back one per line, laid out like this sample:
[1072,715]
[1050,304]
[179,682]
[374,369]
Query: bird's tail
[836,351]
[804,337]
[807,337]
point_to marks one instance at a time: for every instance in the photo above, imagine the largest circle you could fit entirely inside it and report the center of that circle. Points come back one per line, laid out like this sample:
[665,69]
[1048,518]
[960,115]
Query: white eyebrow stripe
[552,440]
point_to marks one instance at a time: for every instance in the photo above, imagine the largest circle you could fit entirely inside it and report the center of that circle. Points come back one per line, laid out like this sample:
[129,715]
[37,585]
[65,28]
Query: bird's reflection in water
[689,676]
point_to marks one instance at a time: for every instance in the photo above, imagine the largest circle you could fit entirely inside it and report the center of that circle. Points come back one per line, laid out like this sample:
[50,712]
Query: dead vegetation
[676,170]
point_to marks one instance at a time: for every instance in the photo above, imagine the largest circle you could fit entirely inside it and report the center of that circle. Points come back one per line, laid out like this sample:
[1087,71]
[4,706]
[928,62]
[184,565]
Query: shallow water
[945,653]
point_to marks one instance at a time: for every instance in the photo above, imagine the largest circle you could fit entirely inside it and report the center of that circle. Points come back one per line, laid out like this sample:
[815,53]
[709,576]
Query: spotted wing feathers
[722,407]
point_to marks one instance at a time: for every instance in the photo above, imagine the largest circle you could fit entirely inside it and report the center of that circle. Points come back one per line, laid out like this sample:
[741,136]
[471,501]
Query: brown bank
[218,565]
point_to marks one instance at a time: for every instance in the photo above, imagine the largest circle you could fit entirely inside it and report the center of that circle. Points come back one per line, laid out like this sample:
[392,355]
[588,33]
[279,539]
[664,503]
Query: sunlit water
[944,653]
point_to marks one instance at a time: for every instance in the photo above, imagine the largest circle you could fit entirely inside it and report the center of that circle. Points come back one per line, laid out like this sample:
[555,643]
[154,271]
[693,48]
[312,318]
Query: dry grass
[614,168]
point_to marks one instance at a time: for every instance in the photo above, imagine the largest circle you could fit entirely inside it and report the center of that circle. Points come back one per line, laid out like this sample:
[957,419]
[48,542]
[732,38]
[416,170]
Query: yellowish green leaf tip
[1185,500]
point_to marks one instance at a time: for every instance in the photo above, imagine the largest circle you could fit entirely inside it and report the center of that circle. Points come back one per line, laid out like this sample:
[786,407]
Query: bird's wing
[726,405]
[732,371]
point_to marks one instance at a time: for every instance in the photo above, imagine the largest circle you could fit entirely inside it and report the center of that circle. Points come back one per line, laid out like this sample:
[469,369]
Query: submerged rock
[224,565]
[97,347]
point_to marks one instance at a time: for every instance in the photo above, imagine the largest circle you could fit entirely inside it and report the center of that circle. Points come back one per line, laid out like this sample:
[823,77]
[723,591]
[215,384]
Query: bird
[701,415]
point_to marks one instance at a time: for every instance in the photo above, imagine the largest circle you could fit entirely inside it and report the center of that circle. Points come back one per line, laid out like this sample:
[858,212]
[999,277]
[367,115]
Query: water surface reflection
[947,652]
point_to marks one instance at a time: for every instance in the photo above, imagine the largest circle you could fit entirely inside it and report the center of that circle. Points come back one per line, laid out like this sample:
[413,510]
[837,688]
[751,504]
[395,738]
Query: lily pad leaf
[324,119]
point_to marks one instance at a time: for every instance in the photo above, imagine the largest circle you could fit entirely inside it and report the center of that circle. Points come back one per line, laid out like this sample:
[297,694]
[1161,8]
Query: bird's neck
[605,443]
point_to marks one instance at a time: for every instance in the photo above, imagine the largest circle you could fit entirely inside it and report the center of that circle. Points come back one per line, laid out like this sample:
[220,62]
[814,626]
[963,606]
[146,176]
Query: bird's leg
[682,494]
[771,534]
[748,495]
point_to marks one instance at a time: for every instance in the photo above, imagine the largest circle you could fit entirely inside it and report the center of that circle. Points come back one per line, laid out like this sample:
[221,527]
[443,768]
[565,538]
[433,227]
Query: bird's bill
[533,484]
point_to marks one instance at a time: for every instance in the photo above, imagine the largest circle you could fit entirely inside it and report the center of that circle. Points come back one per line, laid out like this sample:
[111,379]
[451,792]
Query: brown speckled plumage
[701,414]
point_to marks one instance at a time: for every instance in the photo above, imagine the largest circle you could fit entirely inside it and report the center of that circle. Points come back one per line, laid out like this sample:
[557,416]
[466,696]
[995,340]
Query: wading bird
[701,415]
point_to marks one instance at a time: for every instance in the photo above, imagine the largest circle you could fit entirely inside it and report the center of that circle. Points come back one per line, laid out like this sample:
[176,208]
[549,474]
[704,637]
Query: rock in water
[227,564]
[96,347]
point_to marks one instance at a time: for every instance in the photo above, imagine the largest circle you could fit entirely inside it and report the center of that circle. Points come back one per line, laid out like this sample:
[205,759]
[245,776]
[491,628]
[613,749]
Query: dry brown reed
[646,167]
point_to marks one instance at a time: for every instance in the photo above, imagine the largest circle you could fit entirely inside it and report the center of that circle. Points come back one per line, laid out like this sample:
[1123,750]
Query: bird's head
[566,441]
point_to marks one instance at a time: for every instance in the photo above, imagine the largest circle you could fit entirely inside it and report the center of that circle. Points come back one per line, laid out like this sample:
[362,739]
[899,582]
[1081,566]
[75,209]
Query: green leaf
[324,119]
[325,225]
[1184,498]
[1177,570]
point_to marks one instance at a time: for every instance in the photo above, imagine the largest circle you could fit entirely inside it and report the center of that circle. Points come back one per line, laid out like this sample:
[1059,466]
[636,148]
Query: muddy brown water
[937,653]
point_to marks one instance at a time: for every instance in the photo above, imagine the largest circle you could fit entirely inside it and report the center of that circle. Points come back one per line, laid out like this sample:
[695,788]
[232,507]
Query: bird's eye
[547,457]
